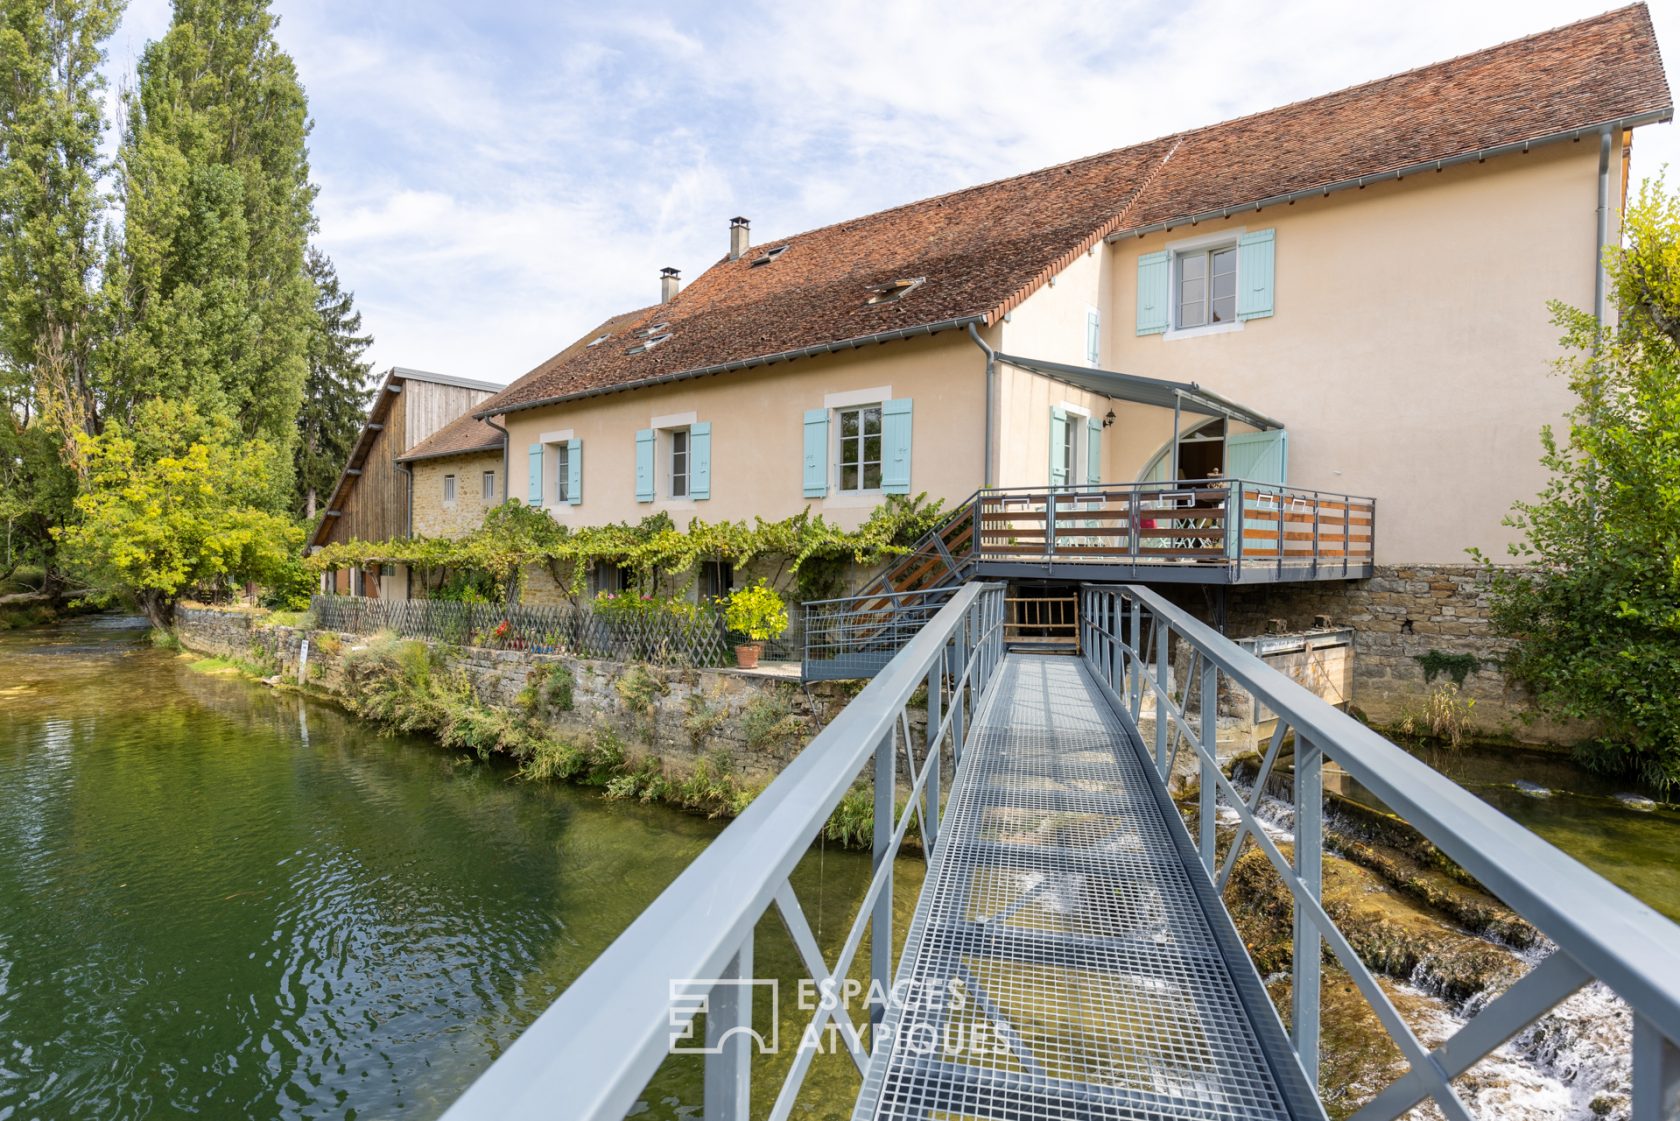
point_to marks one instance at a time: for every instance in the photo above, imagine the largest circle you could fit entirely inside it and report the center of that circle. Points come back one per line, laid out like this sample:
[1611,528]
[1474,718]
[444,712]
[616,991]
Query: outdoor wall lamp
[1108,421]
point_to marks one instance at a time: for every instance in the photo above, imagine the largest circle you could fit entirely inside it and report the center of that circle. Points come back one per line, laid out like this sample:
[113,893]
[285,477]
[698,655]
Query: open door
[1258,457]
[1263,458]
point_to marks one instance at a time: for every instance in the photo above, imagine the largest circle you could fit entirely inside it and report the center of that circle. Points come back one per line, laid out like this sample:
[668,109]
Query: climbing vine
[515,537]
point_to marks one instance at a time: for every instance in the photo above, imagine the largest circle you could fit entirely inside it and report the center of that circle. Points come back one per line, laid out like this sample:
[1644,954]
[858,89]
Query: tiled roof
[461,436]
[984,249]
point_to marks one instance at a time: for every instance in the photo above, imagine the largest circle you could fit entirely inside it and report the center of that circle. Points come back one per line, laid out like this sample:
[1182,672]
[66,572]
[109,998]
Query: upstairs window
[449,488]
[562,473]
[1206,287]
[679,463]
[489,486]
[859,458]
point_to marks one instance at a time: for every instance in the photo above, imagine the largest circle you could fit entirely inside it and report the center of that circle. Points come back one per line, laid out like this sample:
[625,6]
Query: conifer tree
[209,296]
[335,396]
[50,212]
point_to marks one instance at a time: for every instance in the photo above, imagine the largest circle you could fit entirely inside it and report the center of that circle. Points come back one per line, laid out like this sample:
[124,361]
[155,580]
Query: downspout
[1600,308]
[991,394]
[507,481]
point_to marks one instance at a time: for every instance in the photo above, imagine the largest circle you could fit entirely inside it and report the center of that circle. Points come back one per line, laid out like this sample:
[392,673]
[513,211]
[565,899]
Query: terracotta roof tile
[461,436]
[984,249]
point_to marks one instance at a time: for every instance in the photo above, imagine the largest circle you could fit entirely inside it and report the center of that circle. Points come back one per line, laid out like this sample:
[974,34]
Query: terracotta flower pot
[746,654]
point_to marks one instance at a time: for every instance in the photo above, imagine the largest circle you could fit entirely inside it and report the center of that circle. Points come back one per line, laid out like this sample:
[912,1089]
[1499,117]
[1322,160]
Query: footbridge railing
[1600,933]
[591,1054]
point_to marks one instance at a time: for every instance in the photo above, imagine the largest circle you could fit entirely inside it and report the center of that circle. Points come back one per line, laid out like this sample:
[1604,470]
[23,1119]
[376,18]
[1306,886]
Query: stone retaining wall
[1399,615]
[679,714]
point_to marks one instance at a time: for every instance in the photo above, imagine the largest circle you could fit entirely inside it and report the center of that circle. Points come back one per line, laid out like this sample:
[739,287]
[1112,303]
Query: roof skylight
[648,343]
[769,255]
[897,290]
[599,339]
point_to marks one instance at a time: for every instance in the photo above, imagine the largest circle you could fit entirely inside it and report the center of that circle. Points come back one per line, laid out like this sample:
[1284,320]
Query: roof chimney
[669,281]
[739,233]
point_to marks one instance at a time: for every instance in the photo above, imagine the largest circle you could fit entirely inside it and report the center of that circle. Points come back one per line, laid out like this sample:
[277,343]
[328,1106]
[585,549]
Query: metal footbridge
[1070,955]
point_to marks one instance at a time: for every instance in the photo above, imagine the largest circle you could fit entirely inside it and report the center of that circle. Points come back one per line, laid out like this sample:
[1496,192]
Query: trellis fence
[661,637]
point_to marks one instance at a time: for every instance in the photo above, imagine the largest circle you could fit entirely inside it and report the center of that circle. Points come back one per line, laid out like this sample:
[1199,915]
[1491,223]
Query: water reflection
[220,900]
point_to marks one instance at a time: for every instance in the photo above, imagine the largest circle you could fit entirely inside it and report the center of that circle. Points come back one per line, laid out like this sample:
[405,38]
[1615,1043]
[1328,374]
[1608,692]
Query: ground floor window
[606,577]
[717,579]
[449,488]
[489,486]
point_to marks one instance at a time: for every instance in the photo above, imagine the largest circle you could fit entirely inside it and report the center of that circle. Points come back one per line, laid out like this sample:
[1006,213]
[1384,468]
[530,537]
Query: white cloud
[497,179]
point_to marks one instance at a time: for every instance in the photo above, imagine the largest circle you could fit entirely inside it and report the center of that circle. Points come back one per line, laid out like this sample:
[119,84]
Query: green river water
[221,901]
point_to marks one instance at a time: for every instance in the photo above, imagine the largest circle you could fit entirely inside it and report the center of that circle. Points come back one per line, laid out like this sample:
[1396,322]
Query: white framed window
[489,483]
[1068,454]
[449,488]
[1205,286]
[562,472]
[858,449]
[681,461]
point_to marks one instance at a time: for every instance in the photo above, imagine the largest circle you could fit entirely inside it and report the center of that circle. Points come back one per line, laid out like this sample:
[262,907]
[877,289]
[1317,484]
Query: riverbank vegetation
[403,685]
[1594,617]
[179,370]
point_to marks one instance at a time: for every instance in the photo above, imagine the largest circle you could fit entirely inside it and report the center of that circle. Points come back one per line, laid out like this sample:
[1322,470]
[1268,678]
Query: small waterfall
[1573,1064]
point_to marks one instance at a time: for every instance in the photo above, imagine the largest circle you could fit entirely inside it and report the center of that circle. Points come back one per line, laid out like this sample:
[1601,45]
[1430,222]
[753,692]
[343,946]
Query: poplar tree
[209,296]
[335,396]
[50,212]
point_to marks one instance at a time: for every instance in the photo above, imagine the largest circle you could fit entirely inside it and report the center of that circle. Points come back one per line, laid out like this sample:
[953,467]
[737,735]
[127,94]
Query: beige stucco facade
[757,434]
[437,516]
[1410,356]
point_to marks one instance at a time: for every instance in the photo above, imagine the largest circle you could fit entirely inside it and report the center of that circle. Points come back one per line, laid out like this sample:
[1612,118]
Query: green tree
[50,208]
[335,396]
[1595,618]
[209,296]
[175,502]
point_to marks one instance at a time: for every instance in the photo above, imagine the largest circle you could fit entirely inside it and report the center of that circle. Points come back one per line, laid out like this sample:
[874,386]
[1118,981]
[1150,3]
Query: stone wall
[760,723]
[433,517]
[1404,613]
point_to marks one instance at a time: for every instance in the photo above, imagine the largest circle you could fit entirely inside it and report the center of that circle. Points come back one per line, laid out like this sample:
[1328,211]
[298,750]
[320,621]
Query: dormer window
[648,343]
[769,255]
[897,290]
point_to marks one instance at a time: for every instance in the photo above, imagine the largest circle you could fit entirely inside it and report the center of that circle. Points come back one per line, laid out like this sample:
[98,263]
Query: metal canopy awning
[1186,396]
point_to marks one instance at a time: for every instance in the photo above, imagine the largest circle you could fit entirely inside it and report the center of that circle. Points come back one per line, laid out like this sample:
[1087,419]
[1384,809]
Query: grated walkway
[1068,958]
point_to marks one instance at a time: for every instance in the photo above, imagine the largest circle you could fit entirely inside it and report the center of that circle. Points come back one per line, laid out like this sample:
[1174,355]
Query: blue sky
[497,178]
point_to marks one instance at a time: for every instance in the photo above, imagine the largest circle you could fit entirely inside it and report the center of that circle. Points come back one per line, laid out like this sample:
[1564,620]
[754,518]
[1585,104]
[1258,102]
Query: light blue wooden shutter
[895,446]
[1093,337]
[1058,441]
[534,494]
[1153,292]
[1259,457]
[644,465]
[1256,259]
[816,453]
[700,460]
[1093,450]
[574,472]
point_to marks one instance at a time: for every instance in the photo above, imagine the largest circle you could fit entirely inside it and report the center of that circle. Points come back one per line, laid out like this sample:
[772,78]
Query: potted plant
[757,612]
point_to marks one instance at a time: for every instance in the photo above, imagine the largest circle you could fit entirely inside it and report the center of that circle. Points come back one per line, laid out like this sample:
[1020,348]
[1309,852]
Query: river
[225,901]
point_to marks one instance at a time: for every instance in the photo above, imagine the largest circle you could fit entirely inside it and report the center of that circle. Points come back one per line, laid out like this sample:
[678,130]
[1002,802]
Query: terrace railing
[660,637]
[1216,522]
[1600,933]
[592,1052]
